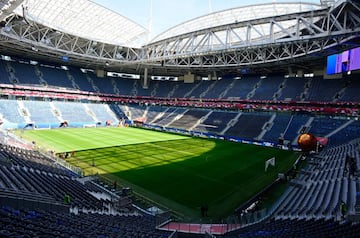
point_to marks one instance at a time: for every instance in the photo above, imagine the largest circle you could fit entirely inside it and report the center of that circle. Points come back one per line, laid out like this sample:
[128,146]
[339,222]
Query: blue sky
[168,13]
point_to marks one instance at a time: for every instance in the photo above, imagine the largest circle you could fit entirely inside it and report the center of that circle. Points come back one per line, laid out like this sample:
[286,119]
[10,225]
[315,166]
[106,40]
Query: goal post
[91,125]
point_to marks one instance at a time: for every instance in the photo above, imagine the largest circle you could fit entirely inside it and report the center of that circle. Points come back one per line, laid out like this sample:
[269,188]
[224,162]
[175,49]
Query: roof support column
[145,81]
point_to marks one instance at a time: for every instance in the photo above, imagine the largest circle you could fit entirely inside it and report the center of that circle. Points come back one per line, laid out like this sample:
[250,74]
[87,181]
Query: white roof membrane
[86,19]
[239,14]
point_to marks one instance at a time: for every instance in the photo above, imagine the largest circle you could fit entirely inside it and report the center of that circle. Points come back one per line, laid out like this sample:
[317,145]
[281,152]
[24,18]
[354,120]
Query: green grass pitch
[179,172]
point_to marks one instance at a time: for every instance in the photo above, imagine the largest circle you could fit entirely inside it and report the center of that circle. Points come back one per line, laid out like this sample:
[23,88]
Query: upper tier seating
[55,77]
[351,93]
[219,88]
[26,72]
[182,90]
[242,87]
[293,89]
[165,89]
[202,88]
[248,87]
[83,80]
[267,88]
[4,75]
[103,84]
[324,90]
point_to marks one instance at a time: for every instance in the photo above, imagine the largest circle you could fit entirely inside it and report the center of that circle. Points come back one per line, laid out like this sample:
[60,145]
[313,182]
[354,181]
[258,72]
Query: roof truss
[253,42]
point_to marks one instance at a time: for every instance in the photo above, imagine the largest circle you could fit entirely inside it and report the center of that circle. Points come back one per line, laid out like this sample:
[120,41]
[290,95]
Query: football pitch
[178,172]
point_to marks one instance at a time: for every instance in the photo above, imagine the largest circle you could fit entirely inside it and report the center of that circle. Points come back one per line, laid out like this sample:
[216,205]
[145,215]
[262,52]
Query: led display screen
[346,61]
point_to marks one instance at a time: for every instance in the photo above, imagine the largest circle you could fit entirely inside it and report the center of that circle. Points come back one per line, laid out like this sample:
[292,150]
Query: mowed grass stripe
[132,156]
[69,139]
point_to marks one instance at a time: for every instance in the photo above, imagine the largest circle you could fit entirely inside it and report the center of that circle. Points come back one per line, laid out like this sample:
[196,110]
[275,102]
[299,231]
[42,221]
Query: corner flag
[269,162]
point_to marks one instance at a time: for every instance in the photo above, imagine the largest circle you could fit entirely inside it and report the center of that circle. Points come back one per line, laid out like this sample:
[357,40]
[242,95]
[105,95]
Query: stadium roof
[235,15]
[86,19]
[281,34]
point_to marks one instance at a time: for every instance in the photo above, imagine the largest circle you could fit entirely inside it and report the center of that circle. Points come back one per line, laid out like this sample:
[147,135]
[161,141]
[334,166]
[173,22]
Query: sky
[169,13]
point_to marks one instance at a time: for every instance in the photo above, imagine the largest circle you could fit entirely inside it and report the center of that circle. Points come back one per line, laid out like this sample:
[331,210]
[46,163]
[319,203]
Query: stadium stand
[248,125]
[43,196]
[216,122]
[11,111]
[54,76]
[312,202]
[41,113]
[84,81]
[134,111]
[298,228]
[154,112]
[182,90]
[329,187]
[101,112]
[265,126]
[105,85]
[168,116]
[266,89]
[73,112]
[165,89]
[292,89]
[189,119]
[120,114]
[26,71]
[277,127]
[324,90]
[30,223]
[30,182]
[350,93]
[242,88]
[218,88]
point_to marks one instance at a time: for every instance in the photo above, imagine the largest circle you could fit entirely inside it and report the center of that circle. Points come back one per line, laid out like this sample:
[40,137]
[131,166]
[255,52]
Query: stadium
[242,122]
